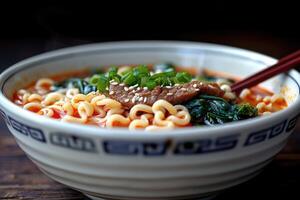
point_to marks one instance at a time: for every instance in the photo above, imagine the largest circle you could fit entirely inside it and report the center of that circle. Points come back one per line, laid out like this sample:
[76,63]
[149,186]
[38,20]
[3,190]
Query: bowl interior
[230,60]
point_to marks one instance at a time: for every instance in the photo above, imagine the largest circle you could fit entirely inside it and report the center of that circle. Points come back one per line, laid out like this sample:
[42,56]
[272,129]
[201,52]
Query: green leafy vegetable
[89,88]
[183,77]
[112,74]
[141,71]
[102,83]
[94,79]
[83,86]
[150,85]
[129,79]
[211,110]
[165,75]
[146,82]
[244,111]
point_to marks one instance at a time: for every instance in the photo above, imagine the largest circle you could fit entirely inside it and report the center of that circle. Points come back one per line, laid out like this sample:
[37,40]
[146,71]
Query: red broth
[256,96]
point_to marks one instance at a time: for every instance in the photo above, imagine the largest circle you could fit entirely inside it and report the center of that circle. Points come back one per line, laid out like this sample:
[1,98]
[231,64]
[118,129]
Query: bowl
[184,163]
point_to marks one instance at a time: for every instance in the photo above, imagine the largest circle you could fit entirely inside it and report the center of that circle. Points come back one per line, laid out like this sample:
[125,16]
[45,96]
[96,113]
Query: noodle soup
[150,97]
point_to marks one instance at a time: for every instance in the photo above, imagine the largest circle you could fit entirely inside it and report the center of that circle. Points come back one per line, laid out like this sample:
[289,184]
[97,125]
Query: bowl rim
[125,132]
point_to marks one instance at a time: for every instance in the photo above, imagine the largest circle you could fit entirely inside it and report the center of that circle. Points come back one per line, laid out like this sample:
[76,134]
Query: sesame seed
[145,88]
[126,100]
[141,99]
[133,90]
[195,85]
[135,85]
[176,84]
[138,88]
[183,89]
[126,89]
[201,83]
[114,83]
[111,92]
[211,86]
[225,88]
[169,94]
[145,99]
[133,100]
[197,89]
[111,81]
[122,84]
[168,87]
[132,87]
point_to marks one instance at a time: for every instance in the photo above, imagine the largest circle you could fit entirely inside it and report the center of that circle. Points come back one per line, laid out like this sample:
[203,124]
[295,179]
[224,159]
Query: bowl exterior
[178,168]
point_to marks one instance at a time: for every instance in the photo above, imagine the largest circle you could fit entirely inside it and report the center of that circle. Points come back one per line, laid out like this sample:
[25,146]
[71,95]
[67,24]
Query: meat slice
[130,96]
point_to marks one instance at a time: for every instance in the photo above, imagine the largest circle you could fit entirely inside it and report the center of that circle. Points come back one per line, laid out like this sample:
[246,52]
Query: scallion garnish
[165,76]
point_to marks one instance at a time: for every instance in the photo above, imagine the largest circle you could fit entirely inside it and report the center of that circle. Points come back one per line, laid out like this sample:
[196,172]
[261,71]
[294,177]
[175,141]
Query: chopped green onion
[183,77]
[163,81]
[141,75]
[143,81]
[163,74]
[102,83]
[94,79]
[126,71]
[174,80]
[141,71]
[112,74]
[150,85]
[129,79]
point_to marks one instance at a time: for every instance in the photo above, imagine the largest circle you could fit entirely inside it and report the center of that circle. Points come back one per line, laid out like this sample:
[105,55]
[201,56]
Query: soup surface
[149,97]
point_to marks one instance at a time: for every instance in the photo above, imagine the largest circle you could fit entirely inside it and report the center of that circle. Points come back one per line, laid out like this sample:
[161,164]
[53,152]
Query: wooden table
[20,178]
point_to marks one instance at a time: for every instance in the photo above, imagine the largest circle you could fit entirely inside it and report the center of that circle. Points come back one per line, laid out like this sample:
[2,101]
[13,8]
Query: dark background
[26,30]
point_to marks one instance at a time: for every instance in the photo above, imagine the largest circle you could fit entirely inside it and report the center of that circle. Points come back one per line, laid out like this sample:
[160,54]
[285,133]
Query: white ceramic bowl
[184,163]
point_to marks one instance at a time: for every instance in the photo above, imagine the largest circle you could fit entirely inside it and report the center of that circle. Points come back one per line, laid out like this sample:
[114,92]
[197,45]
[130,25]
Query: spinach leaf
[83,86]
[212,110]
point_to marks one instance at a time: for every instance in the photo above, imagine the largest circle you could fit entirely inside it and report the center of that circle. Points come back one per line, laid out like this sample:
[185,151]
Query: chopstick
[284,64]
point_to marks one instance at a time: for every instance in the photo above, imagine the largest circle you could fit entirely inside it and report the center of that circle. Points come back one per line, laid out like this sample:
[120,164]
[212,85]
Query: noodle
[91,106]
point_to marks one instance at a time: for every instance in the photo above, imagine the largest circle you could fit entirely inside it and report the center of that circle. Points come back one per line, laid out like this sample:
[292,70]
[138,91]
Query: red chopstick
[284,64]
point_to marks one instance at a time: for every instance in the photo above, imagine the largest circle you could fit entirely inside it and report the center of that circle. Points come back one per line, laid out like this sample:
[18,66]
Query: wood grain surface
[21,179]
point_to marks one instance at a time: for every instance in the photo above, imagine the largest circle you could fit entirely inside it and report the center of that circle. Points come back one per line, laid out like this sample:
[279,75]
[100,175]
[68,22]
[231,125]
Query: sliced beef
[130,96]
